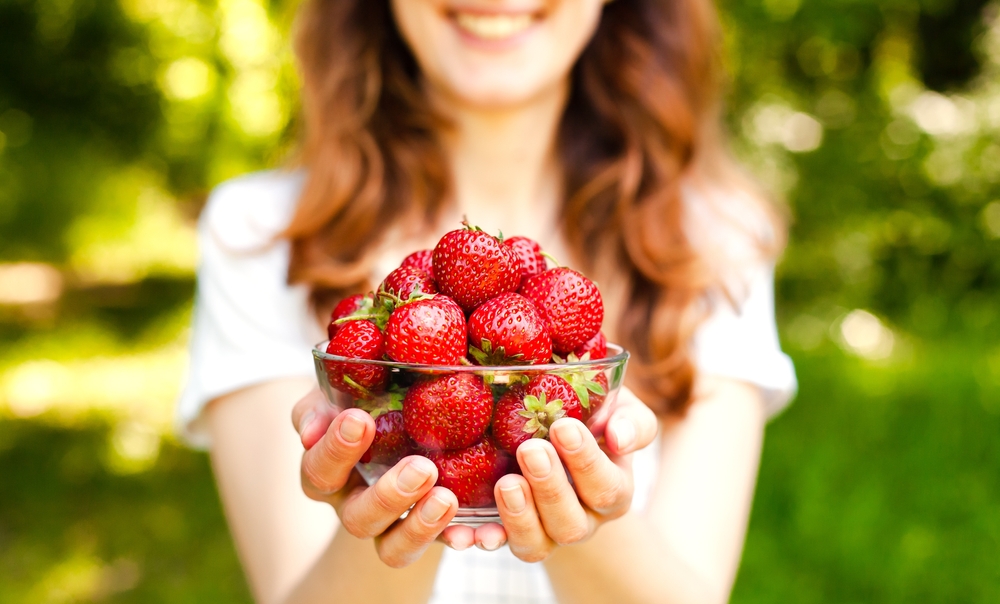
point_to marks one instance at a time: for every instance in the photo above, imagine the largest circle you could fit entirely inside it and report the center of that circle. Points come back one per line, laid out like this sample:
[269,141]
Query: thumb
[311,417]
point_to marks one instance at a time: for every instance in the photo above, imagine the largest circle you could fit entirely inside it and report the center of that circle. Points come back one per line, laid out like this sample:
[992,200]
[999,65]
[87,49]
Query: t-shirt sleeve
[741,341]
[249,325]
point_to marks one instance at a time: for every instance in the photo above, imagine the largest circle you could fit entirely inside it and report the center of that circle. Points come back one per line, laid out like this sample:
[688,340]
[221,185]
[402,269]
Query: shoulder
[247,212]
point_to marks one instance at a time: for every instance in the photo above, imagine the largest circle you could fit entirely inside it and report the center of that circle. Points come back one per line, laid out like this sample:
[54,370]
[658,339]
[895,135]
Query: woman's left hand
[542,509]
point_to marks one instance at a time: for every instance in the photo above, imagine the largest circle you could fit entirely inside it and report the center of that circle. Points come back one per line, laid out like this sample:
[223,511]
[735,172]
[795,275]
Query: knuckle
[533,555]
[316,479]
[547,496]
[572,534]
[394,561]
[388,556]
[414,533]
[331,449]
[588,463]
[614,496]
[606,501]
[354,528]
[381,499]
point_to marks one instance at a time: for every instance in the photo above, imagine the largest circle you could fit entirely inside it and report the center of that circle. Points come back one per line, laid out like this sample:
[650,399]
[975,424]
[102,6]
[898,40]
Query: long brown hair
[642,121]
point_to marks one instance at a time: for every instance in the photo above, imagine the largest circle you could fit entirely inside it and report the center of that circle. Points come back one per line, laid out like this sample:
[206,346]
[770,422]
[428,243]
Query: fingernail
[538,461]
[513,498]
[306,421]
[352,429]
[412,477]
[454,546]
[490,544]
[624,433]
[569,436]
[434,509]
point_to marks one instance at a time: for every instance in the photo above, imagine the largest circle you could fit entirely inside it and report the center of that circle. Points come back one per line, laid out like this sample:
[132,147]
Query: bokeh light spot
[29,283]
[991,219]
[187,78]
[864,335]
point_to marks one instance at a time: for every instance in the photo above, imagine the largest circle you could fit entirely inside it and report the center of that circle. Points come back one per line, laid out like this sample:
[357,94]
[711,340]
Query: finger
[632,425]
[369,512]
[355,482]
[311,417]
[563,517]
[407,541]
[490,536]
[327,465]
[600,484]
[525,535]
[458,537]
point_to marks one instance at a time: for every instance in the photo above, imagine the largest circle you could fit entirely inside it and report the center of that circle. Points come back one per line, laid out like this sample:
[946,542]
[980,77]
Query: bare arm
[290,546]
[686,546]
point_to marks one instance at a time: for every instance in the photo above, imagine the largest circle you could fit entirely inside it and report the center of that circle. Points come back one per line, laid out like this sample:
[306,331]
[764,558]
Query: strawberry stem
[552,258]
[366,392]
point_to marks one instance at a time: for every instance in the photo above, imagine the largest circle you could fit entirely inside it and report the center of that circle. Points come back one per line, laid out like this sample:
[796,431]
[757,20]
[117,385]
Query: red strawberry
[570,304]
[555,388]
[357,340]
[391,442]
[343,309]
[406,281]
[512,415]
[471,473]
[448,411]
[430,331]
[530,255]
[424,260]
[596,346]
[507,330]
[472,266]
[525,412]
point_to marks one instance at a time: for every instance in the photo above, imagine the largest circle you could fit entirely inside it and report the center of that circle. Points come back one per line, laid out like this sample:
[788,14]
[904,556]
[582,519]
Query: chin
[497,96]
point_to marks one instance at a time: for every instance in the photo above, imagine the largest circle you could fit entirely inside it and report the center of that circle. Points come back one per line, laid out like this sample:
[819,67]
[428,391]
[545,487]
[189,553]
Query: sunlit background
[877,121]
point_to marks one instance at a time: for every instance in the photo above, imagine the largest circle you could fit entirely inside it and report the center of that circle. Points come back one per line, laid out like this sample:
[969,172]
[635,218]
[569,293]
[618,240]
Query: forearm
[350,571]
[624,563]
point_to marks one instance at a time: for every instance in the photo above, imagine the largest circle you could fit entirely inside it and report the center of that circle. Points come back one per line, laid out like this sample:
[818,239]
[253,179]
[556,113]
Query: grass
[880,484]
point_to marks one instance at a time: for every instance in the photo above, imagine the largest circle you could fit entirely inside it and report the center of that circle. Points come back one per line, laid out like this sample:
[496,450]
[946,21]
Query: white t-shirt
[250,327]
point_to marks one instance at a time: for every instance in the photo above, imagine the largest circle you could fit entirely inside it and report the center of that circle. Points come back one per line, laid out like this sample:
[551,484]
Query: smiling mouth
[494,26]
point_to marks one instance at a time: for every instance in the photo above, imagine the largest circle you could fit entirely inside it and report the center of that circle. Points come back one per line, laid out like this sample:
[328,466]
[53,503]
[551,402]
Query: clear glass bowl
[609,370]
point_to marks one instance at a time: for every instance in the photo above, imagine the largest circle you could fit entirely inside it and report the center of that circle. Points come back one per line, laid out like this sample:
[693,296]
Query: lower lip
[494,45]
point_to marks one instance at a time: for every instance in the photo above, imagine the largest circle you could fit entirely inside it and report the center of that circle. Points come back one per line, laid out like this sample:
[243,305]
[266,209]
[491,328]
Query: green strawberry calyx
[540,414]
[392,400]
[486,356]
[374,309]
[390,301]
[582,382]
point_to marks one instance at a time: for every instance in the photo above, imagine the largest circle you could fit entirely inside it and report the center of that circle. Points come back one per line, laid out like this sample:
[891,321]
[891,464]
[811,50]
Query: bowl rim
[622,355]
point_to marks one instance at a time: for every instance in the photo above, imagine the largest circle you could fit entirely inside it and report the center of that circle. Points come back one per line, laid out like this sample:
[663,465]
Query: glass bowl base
[471,517]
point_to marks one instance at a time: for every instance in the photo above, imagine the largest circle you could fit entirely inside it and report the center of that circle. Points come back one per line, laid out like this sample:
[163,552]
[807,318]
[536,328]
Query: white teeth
[494,27]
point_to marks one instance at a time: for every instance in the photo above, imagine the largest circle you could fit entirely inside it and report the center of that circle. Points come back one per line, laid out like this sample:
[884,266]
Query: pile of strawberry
[472,300]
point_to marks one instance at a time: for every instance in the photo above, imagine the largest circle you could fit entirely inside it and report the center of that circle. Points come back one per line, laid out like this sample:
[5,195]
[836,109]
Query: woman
[589,126]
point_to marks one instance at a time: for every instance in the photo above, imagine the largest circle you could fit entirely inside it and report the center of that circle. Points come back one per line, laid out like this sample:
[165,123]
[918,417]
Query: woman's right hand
[335,439]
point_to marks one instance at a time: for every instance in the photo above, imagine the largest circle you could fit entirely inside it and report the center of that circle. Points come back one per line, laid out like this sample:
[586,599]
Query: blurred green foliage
[877,122]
